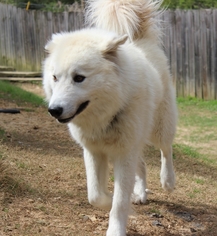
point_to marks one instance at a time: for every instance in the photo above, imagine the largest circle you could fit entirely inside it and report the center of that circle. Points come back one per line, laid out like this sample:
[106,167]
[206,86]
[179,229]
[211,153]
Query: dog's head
[81,74]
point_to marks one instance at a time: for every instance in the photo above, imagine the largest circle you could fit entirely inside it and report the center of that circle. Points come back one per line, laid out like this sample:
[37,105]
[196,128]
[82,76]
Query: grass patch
[112,178]
[200,181]
[13,93]
[191,152]
[155,210]
[197,103]
[197,112]
[2,133]
[187,150]
[194,193]
[199,119]
[16,187]
[22,165]
[198,127]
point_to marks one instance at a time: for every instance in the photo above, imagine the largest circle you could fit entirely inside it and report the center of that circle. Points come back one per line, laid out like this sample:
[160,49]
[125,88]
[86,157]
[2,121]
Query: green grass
[187,150]
[2,132]
[16,186]
[191,152]
[112,178]
[13,93]
[197,103]
[194,193]
[21,165]
[199,181]
[198,128]
[154,210]
[200,116]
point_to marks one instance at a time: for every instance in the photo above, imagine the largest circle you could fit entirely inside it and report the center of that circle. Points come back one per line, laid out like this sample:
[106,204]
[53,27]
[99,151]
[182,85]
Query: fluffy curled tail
[132,17]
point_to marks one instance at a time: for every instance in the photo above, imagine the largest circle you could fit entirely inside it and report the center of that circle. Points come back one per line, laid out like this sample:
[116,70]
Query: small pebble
[156,223]
[85,218]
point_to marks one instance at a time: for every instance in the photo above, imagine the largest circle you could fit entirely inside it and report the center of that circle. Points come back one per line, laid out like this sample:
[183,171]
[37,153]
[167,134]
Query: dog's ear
[51,44]
[113,45]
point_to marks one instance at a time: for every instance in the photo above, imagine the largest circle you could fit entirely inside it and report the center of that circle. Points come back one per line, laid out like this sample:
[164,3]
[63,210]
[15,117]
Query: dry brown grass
[43,186]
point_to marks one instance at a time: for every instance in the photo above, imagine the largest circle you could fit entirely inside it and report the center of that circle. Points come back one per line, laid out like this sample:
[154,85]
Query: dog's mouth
[79,110]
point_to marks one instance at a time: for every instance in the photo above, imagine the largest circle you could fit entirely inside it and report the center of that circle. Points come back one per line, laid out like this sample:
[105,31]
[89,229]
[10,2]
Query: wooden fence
[23,34]
[190,41]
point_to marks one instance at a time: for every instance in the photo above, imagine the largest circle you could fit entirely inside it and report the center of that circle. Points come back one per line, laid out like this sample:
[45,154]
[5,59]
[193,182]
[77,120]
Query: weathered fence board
[179,45]
[214,52]
[191,54]
[189,38]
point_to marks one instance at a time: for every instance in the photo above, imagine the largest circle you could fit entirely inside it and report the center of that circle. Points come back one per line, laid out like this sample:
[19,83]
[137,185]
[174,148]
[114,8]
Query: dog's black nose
[55,111]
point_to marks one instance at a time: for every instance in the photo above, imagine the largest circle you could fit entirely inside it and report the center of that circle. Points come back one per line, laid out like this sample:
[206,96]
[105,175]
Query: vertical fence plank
[211,50]
[180,82]
[209,27]
[18,39]
[197,46]
[204,57]
[23,16]
[7,35]
[25,38]
[191,62]
[11,36]
[167,39]
[44,25]
[185,50]
[38,32]
[173,47]
[55,23]
[214,52]
[32,41]
[78,20]
[20,54]
[66,20]
[48,26]
[71,21]
[2,27]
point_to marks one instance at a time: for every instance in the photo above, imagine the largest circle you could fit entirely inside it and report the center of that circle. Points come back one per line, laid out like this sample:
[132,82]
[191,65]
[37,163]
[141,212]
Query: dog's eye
[79,78]
[54,78]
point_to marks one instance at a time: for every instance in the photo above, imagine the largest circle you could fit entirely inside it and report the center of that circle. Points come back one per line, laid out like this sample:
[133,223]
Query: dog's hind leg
[139,194]
[162,137]
[167,174]
[97,177]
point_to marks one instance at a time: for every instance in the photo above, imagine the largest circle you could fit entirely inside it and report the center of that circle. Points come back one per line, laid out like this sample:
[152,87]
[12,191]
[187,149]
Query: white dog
[111,85]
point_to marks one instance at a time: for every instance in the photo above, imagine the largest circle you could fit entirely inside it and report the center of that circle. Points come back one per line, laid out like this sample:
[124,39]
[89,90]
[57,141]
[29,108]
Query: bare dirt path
[43,186]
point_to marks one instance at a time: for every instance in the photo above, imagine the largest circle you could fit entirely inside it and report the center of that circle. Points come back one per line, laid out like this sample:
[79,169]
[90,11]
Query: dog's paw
[137,199]
[140,198]
[101,200]
[168,182]
[115,231]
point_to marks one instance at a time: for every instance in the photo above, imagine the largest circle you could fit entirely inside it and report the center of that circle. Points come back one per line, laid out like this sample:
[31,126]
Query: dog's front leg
[97,178]
[124,174]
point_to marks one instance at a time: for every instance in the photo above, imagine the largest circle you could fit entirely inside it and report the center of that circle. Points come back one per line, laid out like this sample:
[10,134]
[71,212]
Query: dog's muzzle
[57,111]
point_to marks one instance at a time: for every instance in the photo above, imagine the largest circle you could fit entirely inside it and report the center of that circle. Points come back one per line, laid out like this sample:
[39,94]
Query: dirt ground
[43,186]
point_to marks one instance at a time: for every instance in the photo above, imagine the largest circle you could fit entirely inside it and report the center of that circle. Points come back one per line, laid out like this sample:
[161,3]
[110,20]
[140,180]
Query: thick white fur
[131,101]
